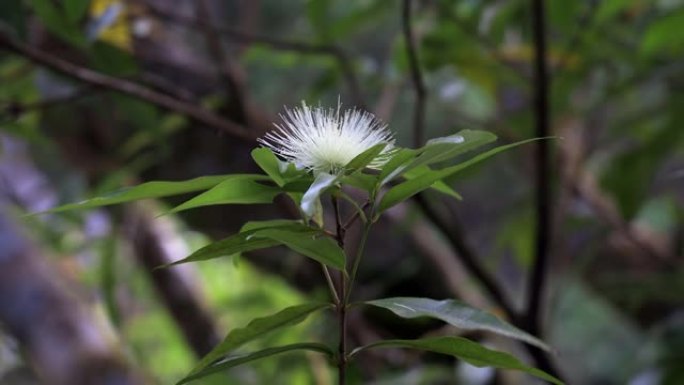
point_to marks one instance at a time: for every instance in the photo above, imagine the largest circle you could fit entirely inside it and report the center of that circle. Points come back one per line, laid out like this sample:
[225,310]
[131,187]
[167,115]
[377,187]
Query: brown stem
[342,348]
[342,305]
[466,254]
[531,320]
[536,284]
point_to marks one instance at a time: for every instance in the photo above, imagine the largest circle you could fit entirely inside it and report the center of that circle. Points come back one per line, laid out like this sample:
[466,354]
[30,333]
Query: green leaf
[236,189]
[12,14]
[322,182]
[257,225]
[455,313]
[437,186]
[255,329]
[233,361]
[406,161]
[361,181]
[268,162]
[664,35]
[466,350]
[609,8]
[364,159]
[237,243]
[157,189]
[318,15]
[407,189]
[309,242]
[445,148]
[245,240]
[75,9]
[57,23]
[396,164]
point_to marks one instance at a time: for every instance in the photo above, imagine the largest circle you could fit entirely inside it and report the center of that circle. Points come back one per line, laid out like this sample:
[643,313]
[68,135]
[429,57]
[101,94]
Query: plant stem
[341,305]
[357,259]
[331,285]
[347,282]
[342,348]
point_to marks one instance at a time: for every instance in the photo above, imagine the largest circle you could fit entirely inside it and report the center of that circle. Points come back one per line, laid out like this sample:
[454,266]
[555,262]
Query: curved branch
[98,79]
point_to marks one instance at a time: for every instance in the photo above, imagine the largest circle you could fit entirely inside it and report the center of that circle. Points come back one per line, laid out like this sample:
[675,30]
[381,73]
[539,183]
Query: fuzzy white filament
[325,140]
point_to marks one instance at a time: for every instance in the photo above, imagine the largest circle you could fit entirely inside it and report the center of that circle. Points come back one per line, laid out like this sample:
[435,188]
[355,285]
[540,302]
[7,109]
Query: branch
[98,79]
[416,75]
[228,75]
[531,320]
[467,255]
[150,238]
[536,283]
[342,58]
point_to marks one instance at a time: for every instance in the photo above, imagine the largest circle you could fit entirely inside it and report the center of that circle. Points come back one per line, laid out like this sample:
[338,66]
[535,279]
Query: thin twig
[416,75]
[98,79]
[357,214]
[225,67]
[358,257]
[467,255]
[331,285]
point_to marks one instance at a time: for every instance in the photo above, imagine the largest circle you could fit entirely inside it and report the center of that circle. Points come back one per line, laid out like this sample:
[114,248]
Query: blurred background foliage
[615,303]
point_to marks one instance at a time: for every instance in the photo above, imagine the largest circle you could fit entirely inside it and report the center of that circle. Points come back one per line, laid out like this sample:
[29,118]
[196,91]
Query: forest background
[577,239]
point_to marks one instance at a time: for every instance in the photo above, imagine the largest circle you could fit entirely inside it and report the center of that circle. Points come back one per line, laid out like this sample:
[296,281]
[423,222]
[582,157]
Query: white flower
[324,140]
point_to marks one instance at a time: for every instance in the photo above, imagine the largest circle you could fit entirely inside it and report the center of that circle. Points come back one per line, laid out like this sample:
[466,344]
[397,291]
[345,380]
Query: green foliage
[75,9]
[12,15]
[664,35]
[145,191]
[312,241]
[464,349]
[455,313]
[411,187]
[60,21]
[233,361]
[616,79]
[280,172]
[234,189]
[309,242]
[256,329]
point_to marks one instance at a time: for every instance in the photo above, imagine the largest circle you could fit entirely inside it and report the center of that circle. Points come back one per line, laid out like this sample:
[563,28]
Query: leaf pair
[310,242]
[450,311]
[220,189]
[420,177]
[216,360]
[466,350]
[413,165]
